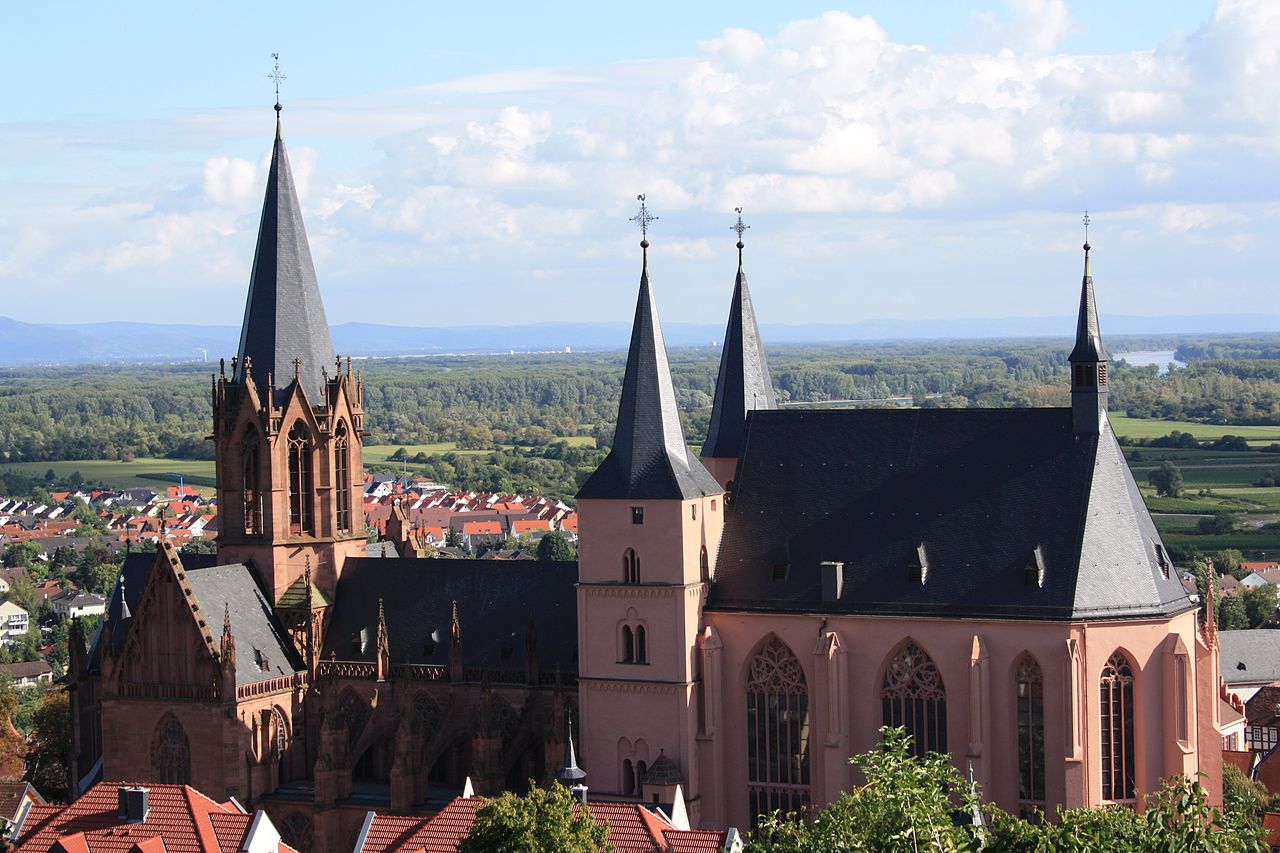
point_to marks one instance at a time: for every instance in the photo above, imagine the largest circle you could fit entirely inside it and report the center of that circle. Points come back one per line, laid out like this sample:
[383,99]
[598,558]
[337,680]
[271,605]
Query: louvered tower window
[342,472]
[301,493]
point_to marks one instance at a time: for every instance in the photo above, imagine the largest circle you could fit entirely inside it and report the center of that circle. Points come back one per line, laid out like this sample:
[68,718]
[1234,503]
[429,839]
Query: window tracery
[1030,696]
[1116,686]
[171,752]
[913,696]
[777,731]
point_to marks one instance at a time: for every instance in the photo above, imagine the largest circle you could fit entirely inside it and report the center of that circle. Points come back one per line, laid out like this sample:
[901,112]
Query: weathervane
[1086,230]
[741,228]
[643,218]
[277,76]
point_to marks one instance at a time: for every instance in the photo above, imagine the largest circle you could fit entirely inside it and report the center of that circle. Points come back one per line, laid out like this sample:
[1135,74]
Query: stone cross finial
[643,218]
[277,76]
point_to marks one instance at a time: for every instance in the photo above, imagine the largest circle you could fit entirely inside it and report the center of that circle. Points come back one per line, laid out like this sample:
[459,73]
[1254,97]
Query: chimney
[134,803]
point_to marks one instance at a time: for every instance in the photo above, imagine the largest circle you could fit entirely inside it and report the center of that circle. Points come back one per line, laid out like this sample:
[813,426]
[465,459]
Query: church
[737,625]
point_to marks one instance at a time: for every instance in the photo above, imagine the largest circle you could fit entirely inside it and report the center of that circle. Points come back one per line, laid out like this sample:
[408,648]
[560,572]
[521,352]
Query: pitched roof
[1088,346]
[744,383]
[284,315]
[495,600]
[649,459]
[633,828]
[258,633]
[179,815]
[12,795]
[1249,656]
[978,496]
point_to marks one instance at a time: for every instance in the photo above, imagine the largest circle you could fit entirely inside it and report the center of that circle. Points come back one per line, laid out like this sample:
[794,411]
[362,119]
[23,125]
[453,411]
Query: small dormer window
[1161,560]
[1033,573]
[260,658]
[1102,374]
[637,515]
[918,566]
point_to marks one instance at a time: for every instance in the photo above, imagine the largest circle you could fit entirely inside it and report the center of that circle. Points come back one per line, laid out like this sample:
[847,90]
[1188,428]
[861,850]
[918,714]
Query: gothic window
[301,492]
[630,567]
[777,731]
[628,645]
[342,472]
[912,696]
[1030,731]
[642,650]
[628,778]
[171,752]
[251,482]
[1117,729]
[298,831]
[704,564]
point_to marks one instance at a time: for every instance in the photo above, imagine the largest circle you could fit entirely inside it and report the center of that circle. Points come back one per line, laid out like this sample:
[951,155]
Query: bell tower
[650,521]
[288,421]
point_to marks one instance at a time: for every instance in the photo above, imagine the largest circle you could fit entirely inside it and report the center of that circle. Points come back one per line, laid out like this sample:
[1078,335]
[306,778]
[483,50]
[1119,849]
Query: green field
[1149,428]
[152,473]
[381,453]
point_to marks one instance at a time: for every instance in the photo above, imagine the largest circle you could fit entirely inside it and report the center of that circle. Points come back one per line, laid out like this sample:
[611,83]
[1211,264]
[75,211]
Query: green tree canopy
[1260,604]
[541,821]
[554,547]
[1232,615]
[50,745]
[1167,479]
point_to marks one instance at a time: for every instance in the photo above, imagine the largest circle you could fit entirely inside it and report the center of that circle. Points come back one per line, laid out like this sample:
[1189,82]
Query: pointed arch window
[628,778]
[342,473]
[628,645]
[1117,729]
[1030,695]
[777,731]
[630,566]
[704,564]
[251,482]
[913,696]
[301,490]
[171,752]
[642,648]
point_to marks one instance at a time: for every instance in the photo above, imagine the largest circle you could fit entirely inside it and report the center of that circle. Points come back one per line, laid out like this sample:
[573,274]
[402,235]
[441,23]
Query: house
[633,828]
[122,818]
[1249,660]
[533,528]
[1262,577]
[14,798]
[73,603]
[28,673]
[13,621]
[8,575]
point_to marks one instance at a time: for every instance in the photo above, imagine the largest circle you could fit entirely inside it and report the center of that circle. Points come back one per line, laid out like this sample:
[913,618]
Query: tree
[1166,478]
[1228,561]
[542,820]
[1260,604]
[1217,524]
[13,747]
[907,804]
[555,548]
[50,746]
[1232,615]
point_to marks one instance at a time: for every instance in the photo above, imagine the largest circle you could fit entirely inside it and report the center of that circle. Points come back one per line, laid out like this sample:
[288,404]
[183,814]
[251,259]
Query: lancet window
[301,491]
[342,473]
[251,482]
[631,566]
[777,731]
[1117,729]
[913,696]
[1030,689]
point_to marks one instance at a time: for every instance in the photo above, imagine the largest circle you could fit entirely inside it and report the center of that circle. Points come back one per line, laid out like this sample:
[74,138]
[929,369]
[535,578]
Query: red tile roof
[632,829]
[180,816]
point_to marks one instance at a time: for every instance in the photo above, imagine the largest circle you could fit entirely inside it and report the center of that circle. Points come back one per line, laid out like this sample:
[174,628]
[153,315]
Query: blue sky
[466,165]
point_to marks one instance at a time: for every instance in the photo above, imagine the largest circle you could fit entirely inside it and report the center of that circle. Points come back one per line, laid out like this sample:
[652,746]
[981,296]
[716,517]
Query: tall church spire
[1089,358]
[284,316]
[744,383]
[649,459]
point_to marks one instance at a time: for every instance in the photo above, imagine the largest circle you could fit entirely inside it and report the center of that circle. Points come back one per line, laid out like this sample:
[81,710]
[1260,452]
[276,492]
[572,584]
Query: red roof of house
[185,820]
[570,522]
[632,829]
[526,524]
[480,528]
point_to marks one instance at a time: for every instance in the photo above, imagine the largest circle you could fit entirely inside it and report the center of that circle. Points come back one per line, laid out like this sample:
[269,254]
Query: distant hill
[47,343]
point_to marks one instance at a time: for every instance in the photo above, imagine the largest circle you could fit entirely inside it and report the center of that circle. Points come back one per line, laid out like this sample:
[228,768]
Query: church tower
[288,422]
[1088,360]
[650,521]
[744,384]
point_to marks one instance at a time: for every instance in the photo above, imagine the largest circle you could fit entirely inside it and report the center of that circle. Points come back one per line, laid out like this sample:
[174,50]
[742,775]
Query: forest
[541,422]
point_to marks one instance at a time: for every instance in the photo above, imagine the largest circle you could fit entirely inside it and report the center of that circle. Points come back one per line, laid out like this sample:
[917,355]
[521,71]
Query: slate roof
[1088,346]
[495,599]
[257,631]
[180,816]
[980,489]
[649,459]
[284,315]
[1249,656]
[744,382]
[253,624]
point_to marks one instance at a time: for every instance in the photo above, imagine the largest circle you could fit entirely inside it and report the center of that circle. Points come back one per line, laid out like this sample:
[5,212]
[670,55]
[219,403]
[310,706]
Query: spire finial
[741,228]
[277,76]
[643,218]
[1086,221]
